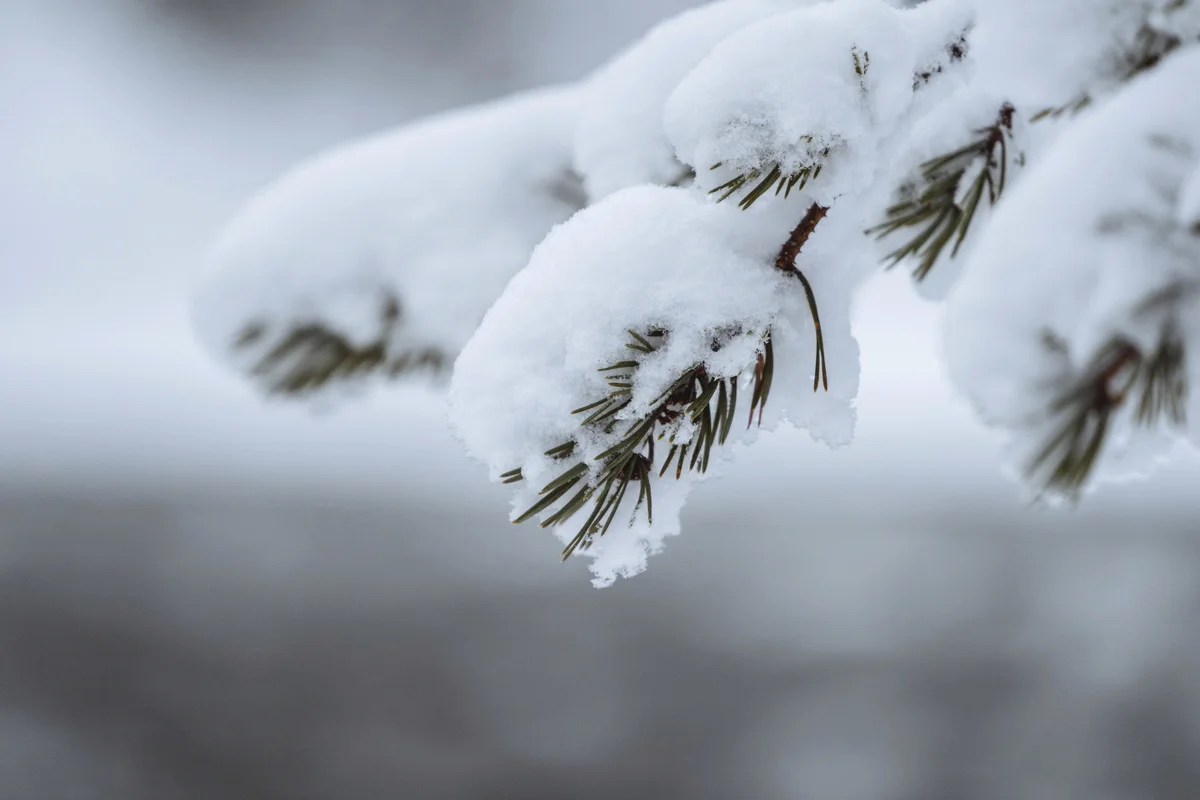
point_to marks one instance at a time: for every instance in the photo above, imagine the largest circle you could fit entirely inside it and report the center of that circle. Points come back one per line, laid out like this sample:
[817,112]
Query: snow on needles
[620,140]
[645,259]
[1038,158]
[821,86]
[1092,247]
[390,248]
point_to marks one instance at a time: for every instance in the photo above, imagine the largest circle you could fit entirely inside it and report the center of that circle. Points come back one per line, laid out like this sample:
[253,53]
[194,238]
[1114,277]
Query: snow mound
[381,256]
[688,277]
[1024,49]
[1088,252]
[817,89]
[620,140]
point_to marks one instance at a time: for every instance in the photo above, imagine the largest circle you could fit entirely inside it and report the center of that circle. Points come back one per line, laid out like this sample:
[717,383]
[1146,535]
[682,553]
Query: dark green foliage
[707,402]
[1081,415]
[928,209]
[1055,112]
[774,178]
[307,358]
[862,65]
[862,62]
[773,175]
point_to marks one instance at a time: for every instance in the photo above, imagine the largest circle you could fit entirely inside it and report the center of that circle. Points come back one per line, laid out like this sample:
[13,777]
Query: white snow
[434,217]
[620,140]
[642,259]
[1077,250]
[823,85]
[1048,53]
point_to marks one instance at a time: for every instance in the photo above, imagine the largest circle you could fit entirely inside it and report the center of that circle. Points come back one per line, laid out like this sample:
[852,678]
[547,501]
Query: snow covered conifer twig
[607,304]
[704,401]
[377,259]
[940,205]
[1079,419]
[1073,327]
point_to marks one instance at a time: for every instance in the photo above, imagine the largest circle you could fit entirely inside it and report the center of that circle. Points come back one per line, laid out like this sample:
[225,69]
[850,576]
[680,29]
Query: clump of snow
[1078,254]
[620,140]
[403,239]
[645,258]
[824,85]
[1180,19]
[1050,53]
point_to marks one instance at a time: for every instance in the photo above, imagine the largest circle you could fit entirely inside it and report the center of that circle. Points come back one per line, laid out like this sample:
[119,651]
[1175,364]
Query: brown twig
[1126,355]
[786,262]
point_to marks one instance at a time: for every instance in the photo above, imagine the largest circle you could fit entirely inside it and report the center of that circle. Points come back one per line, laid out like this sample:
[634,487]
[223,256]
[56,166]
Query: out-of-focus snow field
[203,594]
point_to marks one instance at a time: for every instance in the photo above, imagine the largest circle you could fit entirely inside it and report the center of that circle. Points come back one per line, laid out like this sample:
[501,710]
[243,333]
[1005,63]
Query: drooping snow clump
[1091,266]
[382,256]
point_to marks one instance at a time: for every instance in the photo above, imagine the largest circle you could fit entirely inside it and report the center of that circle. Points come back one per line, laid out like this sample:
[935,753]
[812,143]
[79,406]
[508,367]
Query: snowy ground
[205,595]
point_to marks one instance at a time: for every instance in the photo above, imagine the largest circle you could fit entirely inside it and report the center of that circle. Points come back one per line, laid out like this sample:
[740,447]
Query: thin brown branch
[786,261]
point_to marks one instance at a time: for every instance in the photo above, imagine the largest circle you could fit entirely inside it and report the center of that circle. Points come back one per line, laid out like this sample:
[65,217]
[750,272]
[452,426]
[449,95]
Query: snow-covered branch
[379,259]
[661,249]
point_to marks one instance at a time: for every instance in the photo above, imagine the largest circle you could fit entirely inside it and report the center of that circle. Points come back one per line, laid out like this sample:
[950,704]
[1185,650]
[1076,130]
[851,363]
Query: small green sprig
[307,358]
[930,207]
[1081,415]
[1070,108]
[862,65]
[772,176]
[705,403]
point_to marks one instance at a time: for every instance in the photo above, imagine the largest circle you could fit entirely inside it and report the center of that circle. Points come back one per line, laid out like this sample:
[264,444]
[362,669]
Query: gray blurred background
[204,595]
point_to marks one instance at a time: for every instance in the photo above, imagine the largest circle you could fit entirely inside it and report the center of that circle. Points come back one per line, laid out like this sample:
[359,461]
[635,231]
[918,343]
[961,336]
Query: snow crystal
[1076,256]
[402,240]
[620,140]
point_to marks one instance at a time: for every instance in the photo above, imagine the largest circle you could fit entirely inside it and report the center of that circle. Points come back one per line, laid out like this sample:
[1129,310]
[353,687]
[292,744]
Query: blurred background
[203,594]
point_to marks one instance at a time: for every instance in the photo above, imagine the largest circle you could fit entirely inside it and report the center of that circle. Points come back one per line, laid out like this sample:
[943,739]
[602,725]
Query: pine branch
[696,400]
[1066,109]
[956,51]
[308,358]
[938,209]
[774,178]
[1082,414]
[773,175]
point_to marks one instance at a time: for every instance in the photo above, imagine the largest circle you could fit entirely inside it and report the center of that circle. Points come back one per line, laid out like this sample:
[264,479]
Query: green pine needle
[305,359]
[708,403]
[1082,415]
[928,210]
[770,177]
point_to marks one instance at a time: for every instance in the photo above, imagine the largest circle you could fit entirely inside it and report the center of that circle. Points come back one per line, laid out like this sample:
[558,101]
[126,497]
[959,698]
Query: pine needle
[929,209]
